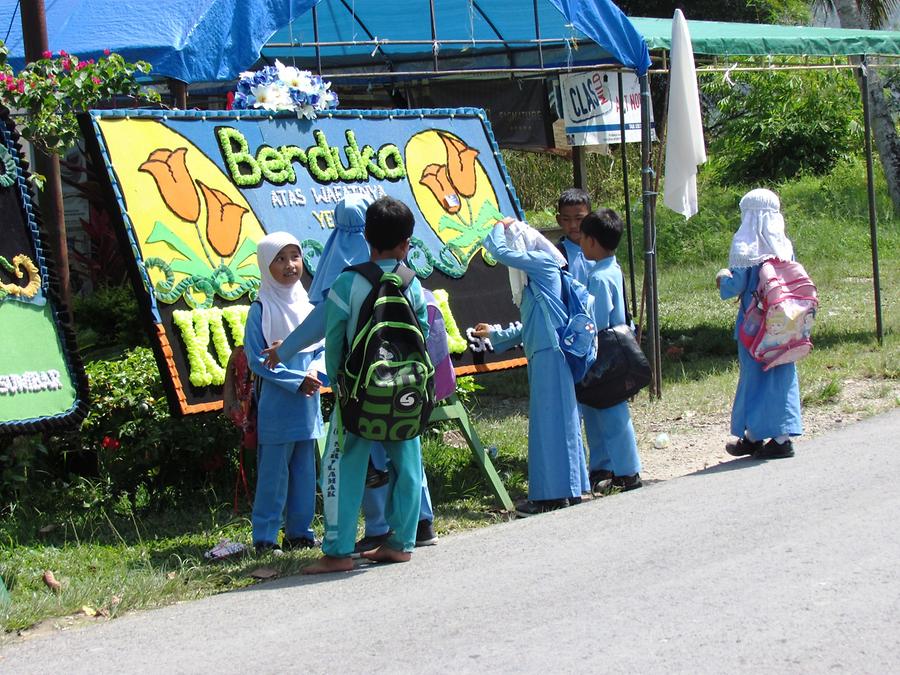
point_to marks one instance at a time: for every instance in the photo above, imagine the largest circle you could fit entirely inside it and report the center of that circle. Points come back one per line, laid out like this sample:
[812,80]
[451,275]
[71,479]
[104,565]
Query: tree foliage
[745,11]
[770,126]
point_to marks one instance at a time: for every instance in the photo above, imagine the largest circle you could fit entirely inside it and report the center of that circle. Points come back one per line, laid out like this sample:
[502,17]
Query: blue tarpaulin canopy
[213,40]
[189,40]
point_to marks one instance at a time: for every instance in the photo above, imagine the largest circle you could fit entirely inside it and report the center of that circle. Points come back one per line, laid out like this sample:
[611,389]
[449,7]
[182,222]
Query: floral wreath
[282,87]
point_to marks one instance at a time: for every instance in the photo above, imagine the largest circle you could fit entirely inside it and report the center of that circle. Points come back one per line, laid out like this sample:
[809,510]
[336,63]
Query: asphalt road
[781,566]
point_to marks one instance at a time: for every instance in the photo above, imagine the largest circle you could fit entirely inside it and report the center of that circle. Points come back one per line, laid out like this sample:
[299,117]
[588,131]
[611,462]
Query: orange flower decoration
[174,182]
[435,178]
[223,220]
[460,165]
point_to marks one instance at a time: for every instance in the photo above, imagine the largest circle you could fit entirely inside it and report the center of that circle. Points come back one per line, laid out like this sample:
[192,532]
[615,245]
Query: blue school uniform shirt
[538,330]
[579,266]
[605,287]
[347,294]
[285,414]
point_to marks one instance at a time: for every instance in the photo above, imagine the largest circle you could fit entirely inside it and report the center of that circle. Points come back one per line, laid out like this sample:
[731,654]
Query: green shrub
[108,319]
[771,126]
[128,449]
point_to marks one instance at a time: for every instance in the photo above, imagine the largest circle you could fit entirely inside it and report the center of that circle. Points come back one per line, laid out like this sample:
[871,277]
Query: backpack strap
[561,247]
[406,275]
[370,270]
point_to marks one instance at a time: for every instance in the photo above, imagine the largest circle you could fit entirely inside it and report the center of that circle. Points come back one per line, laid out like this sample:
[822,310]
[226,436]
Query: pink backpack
[777,325]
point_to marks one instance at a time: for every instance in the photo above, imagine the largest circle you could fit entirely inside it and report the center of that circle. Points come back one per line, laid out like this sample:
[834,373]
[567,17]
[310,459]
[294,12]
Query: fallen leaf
[264,573]
[103,612]
[171,575]
[47,529]
[51,582]
[88,611]
[114,600]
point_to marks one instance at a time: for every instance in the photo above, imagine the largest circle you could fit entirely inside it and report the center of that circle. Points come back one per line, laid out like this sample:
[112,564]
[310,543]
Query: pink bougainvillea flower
[47,55]
[96,80]
[63,53]
[106,52]
[175,184]
[223,220]
[460,164]
[435,178]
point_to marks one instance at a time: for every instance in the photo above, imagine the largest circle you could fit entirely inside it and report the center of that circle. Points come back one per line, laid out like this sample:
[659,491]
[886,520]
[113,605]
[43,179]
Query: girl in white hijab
[289,419]
[766,403]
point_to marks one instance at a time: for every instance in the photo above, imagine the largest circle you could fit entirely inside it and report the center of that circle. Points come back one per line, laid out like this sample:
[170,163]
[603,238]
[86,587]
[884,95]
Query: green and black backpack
[386,385]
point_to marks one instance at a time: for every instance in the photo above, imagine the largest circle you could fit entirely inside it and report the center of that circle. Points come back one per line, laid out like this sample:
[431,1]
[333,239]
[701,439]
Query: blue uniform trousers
[374,502]
[285,490]
[611,440]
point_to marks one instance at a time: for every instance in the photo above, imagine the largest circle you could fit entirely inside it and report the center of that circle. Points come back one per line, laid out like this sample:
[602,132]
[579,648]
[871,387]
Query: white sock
[781,440]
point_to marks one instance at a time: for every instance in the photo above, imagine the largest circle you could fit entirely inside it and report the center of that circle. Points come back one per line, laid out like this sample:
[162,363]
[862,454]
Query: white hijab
[283,306]
[524,238]
[761,234]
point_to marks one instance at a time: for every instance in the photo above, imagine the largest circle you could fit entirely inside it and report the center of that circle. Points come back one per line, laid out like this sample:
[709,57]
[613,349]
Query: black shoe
[534,507]
[601,482]
[743,447]
[626,483]
[376,478]
[425,535]
[368,543]
[773,450]
[573,501]
[267,547]
[299,543]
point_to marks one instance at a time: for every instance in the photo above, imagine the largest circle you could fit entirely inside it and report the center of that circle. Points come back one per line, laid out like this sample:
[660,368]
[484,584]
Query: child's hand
[271,357]
[720,275]
[506,222]
[482,330]
[310,384]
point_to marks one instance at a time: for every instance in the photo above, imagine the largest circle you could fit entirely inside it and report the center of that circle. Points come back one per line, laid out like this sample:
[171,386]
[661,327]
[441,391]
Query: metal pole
[870,183]
[579,167]
[537,35]
[34,38]
[627,195]
[434,44]
[652,331]
[315,17]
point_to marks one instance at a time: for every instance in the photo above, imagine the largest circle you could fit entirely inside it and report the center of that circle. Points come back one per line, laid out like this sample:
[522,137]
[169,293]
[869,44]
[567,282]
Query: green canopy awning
[750,39]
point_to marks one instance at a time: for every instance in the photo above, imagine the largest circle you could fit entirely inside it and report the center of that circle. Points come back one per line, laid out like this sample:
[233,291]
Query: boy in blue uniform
[614,454]
[289,417]
[388,228]
[571,208]
[557,475]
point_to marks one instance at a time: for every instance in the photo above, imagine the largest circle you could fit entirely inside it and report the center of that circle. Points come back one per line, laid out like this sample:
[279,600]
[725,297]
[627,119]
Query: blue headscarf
[346,246]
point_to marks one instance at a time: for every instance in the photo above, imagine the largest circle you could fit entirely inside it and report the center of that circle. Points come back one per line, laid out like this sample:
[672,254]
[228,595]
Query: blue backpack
[578,337]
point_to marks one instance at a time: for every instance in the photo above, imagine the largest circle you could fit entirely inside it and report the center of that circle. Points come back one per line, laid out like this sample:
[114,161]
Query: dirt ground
[698,442]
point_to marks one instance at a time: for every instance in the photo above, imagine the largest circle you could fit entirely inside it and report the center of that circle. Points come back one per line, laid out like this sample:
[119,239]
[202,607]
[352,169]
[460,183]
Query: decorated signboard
[197,189]
[42,383]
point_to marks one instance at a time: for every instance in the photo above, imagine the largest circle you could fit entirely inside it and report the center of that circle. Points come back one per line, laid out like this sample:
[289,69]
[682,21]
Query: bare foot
[327,565]
[385,553]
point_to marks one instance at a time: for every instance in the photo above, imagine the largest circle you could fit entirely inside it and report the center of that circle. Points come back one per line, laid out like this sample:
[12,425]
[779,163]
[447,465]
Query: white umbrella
[684,142]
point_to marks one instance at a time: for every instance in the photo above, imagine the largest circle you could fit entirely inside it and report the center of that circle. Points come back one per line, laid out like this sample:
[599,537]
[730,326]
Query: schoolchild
[557,474]
[289,417]
[614,460]
[571,208]
[347,246]
[766,403]
[388,228]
